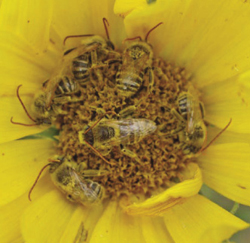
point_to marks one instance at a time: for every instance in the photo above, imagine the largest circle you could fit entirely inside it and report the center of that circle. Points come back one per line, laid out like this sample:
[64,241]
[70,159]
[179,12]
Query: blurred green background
[243,213]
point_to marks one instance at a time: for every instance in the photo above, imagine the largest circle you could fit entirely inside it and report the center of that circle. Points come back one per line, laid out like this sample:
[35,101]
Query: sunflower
[209,39]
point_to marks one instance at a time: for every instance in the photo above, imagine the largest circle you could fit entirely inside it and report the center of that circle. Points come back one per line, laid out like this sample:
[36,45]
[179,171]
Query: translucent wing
[91,195]
[128,129]
[193,109]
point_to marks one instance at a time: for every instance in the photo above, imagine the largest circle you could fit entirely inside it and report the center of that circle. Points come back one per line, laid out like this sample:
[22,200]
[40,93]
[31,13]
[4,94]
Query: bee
[72,181]
[192,129]
[102,136]
[48,101]
[93,53]
[136,62]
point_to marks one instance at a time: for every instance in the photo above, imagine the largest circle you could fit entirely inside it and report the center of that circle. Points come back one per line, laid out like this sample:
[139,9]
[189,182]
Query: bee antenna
[19,98]
[223,130]
[74,36]
[108,112]
[41,171]
[23,124]
[98,153]
[134,38]
[146,38]
[106,24]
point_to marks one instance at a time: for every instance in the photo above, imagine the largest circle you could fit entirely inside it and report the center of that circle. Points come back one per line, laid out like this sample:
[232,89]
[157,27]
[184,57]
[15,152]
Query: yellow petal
[200,220]
[115,226]
[28,19]
[21,162]
[124,7]
[19,64]
[227,136]
[230,99]
[11,107]
[209,39]
[82,223]
[85,17]
[9,220]
[12,212]
[52,218]
[156,205]
[154,230]
[226,169]
[46,218]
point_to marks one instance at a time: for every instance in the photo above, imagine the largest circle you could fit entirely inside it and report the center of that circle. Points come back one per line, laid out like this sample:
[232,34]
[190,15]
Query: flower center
[138,166]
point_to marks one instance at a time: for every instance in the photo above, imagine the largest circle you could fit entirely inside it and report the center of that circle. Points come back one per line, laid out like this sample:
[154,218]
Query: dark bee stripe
[80,67]
[183,105]
[129,83]
[62,86]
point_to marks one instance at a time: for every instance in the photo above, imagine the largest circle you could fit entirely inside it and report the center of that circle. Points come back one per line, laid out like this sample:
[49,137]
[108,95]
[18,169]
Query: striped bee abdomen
[66,86]
[183,104]
[128,83]
[80,67]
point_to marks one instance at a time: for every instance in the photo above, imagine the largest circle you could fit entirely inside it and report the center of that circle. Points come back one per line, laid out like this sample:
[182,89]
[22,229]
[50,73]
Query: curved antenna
[23,124]
[223,130]
[19,98]
[134,38]
[95,150]
[108,112]
[74,36]
[106,24]
[41,171]
[146,38]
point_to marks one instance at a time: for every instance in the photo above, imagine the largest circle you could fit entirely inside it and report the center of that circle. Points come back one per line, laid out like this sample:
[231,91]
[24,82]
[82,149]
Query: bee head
[199,130]
[39,103]
[139,49]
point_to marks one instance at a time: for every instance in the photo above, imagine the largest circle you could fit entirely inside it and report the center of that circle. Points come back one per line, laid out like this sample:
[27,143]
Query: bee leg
[62,100]
[91,173]
[178,115]
[105,150]
[128,111]
[97,79]
[172,132]
[114,55]
[94,61]
[181,126]
[57,109]
[159,73]
[150,80]
[112,61]
[129,153]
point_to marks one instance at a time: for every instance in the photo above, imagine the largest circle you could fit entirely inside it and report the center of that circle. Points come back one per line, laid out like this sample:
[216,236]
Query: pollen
[159,158]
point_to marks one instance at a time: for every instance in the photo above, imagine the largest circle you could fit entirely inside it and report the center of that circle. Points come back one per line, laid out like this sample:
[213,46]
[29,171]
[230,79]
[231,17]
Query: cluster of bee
[92,61]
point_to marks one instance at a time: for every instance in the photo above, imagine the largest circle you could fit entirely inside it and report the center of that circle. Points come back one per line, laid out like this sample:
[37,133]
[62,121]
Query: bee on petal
[74,182]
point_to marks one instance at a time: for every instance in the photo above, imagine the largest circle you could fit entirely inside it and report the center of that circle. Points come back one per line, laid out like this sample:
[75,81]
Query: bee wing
[193,109]
[125,130]
[84,185]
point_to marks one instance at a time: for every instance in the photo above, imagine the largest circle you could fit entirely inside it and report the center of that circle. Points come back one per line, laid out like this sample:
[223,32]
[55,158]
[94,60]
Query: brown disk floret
[160,156]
